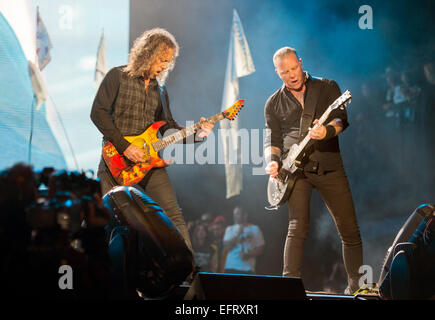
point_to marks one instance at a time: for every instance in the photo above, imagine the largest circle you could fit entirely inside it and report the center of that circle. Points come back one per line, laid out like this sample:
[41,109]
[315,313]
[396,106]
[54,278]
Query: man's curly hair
[144,50]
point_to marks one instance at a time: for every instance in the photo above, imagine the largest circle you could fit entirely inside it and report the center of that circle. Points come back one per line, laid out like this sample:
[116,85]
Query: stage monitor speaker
[148,252]
[404,235]
[407,272]
[226,286]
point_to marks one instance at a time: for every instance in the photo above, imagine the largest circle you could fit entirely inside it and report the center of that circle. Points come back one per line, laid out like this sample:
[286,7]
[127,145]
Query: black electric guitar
[280,187]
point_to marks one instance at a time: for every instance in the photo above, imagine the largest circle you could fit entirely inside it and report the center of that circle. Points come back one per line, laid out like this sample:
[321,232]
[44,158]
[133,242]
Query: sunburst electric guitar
[128,173]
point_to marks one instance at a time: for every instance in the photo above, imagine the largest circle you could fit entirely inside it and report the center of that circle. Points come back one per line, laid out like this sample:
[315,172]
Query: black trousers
[158,187]
[334,190]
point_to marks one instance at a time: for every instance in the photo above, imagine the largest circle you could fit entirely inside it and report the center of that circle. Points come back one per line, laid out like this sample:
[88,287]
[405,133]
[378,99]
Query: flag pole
[32,115]
[36,38]
[32,112]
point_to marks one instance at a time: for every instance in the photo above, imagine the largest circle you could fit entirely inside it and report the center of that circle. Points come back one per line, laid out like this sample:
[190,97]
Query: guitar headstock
[232,112]
[342,100]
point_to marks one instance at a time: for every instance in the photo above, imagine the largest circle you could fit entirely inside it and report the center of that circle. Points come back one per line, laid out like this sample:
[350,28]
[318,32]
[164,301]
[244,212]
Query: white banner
[101,64]
[239,64]
[39,88]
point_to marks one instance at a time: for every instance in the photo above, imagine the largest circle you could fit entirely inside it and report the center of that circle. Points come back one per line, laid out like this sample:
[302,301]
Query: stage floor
[181,291]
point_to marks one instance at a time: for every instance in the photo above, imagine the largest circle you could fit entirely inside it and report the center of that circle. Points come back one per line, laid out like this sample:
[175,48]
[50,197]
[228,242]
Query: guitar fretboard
[307,137]
[336,104]
[183,133]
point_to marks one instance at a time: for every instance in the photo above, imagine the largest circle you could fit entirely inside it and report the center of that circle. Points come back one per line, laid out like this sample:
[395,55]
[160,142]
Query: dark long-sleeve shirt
[122,107]
[283,114]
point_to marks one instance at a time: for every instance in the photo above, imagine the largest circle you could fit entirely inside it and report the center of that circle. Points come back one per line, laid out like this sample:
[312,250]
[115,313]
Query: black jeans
[334,189]
[158,187]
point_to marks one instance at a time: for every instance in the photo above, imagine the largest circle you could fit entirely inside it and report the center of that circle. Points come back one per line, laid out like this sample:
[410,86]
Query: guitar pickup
[283,176]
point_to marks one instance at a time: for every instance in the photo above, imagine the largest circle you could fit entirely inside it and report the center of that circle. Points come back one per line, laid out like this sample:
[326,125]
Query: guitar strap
[310,106]
[165,107]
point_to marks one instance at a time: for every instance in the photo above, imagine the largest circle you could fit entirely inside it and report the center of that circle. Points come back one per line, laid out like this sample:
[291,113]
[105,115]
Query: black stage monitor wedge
[407,272]
[405,233]
[227,286]
[148,253]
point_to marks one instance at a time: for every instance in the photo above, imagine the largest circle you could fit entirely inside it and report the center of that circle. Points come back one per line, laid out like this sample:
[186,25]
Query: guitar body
[128,173]
[280,188]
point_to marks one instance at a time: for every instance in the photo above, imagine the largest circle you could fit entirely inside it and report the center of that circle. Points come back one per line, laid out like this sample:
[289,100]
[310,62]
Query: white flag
[43,43]
[101,64]
[39,88]
[239,64]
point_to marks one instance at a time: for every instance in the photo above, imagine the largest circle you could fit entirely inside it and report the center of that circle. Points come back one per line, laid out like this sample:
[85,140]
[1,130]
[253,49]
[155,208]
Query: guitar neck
[307,138]
[183,133]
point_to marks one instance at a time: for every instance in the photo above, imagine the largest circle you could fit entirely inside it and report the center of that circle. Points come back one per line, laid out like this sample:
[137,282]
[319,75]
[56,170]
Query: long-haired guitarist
[128,101]
[290,113]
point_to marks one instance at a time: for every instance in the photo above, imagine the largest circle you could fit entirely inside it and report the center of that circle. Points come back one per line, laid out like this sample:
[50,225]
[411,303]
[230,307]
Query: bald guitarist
[129,101]
[289,113]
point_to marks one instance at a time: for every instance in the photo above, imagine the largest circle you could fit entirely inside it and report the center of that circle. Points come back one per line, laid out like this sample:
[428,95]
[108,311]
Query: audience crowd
[51,219]
[393,141]
[207,234]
